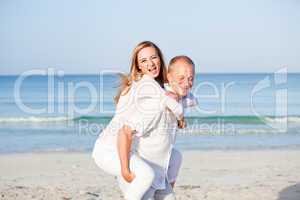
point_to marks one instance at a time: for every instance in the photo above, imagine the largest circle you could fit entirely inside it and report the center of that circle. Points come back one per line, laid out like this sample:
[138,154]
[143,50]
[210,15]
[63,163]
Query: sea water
[68,112]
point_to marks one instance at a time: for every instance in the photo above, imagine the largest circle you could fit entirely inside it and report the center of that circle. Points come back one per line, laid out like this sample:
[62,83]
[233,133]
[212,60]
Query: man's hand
[128,176]
[181,123]
[173,95]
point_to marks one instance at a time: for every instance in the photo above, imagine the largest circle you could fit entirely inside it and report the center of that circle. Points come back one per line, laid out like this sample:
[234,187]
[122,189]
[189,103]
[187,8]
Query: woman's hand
[173,95]
[128,175]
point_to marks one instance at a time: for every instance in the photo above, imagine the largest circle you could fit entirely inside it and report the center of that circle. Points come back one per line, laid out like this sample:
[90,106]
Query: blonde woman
[156,137]
[146,79]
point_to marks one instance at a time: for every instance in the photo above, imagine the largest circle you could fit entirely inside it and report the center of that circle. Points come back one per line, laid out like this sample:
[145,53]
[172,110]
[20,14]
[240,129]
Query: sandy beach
[211,175]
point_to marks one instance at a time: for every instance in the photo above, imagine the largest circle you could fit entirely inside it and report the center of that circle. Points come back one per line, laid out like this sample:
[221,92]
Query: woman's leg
[144,176]
[109,162]
[174,166]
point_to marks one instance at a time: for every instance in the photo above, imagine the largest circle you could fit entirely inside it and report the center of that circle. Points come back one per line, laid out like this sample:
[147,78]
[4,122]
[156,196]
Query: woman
[147,66]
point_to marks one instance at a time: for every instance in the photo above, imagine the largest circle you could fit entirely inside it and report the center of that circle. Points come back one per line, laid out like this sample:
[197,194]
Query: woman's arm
[124,146]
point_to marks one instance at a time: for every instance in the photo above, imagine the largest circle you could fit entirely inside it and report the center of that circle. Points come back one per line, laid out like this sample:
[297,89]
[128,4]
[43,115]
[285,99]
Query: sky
[90,36]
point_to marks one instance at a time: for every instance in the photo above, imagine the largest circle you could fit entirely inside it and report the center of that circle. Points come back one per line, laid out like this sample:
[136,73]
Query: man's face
[181,77]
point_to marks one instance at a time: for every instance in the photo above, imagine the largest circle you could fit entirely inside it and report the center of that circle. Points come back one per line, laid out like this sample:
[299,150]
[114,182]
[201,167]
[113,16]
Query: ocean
[67,112]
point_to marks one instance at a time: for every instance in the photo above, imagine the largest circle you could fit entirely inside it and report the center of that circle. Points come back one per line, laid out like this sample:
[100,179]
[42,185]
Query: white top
[156,142]
[145,99]
[188,101]
[146,109]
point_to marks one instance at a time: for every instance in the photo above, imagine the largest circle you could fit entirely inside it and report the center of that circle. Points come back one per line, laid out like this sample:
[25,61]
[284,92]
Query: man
[155,130]
[181,72]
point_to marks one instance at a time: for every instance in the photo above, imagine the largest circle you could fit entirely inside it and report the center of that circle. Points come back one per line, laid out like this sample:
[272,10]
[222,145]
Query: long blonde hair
[136,74]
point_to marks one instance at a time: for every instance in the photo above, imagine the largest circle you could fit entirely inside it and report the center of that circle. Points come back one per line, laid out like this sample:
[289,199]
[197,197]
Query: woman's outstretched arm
[124,146]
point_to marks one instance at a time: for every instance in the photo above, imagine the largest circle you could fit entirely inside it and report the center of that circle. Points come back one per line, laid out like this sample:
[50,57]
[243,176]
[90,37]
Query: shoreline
[212,175]
[281,148]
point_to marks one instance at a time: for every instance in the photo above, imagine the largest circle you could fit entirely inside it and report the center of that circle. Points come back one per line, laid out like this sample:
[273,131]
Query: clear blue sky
[86,36]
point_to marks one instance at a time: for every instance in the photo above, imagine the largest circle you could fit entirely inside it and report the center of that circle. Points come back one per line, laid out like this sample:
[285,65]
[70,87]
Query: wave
[192,119]
[231,132]
[99,119]
[226,119]
[33,119]
[255,120]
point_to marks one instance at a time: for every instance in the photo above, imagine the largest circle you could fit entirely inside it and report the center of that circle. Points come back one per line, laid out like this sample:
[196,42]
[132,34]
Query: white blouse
[143,102]
[153,115]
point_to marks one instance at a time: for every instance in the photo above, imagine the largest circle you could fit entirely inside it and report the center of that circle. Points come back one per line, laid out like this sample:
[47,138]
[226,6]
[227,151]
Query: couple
[137,145]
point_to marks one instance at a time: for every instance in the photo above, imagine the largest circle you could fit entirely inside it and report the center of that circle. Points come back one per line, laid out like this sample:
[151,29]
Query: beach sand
[211,175]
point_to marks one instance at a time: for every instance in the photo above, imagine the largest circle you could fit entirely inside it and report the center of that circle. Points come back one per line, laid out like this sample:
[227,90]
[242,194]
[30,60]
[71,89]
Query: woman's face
[149,61]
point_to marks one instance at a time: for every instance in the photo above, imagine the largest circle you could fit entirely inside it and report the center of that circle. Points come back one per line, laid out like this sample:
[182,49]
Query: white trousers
[165,194]
[151,193]
[140,187]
